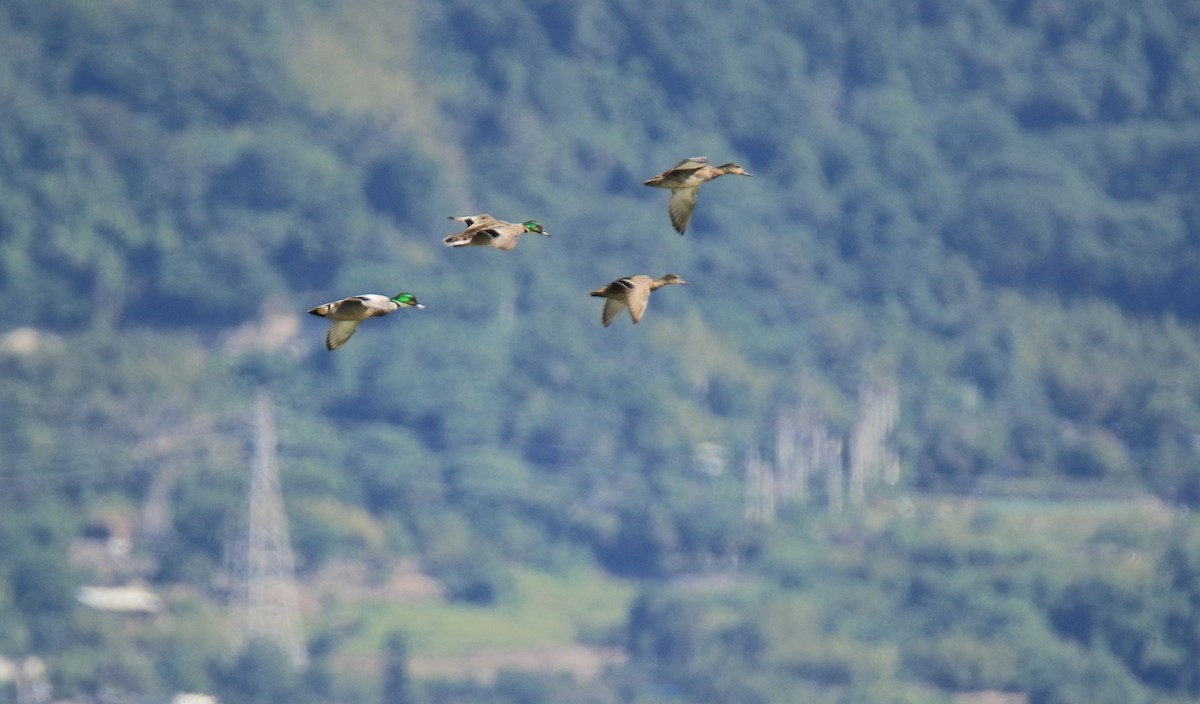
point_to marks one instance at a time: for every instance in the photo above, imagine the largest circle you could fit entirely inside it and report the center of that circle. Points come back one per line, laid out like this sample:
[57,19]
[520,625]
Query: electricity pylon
[267,602]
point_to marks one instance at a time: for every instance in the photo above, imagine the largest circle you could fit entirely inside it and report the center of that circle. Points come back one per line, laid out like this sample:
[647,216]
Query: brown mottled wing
[691,164]
[365,306]
[472,220]
[476,232]
[458,239]
[681,206]
[340,331]
[678,173]
[637,296]
[612,308]
[505,235]
[614,294]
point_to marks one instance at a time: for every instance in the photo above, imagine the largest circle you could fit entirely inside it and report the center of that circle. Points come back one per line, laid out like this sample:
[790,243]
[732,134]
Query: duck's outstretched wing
[677,173]
[691,164]
[339,332]
[681,206]
[461,239]
[505,235]
[636,298]
[364,306]
[612,308]
[472,220]
[485,230]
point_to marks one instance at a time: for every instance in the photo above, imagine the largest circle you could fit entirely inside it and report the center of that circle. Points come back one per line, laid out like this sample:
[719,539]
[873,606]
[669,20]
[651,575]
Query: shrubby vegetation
[993,202]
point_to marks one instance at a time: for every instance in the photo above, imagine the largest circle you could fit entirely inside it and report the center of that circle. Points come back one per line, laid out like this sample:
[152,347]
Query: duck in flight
[486,231]
[632,293]
[348,313]
[684,179]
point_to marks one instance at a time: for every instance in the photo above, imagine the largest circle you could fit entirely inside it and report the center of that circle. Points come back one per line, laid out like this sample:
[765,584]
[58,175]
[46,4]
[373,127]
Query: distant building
[132,599]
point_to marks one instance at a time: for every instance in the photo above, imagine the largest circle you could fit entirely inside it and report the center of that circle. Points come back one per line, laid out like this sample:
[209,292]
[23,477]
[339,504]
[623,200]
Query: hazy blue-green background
[994,205]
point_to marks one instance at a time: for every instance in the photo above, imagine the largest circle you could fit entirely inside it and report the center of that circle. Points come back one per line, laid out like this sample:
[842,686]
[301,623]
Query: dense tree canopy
[991,203]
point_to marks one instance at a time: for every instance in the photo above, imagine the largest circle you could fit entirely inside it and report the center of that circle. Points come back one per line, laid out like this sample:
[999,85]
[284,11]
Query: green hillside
[962,279]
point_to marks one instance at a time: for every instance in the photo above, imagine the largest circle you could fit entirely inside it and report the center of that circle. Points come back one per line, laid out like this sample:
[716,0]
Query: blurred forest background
[924,428]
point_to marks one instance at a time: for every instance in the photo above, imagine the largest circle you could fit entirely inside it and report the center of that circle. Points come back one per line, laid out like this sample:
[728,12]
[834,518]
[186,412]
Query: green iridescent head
[535,226]
[406,299]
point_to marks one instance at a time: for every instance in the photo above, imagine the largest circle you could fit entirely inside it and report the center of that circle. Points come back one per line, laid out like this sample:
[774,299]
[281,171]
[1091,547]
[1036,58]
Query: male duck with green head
[347,313]
[486,231]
